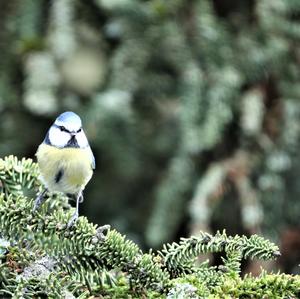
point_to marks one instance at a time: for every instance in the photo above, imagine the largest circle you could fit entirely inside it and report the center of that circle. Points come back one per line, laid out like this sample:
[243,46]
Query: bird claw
[39,200]
[74,217]
[35,207]
[37,203]
[72,220]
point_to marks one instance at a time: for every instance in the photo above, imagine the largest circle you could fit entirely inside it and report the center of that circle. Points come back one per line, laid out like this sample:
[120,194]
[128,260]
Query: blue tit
[65,160]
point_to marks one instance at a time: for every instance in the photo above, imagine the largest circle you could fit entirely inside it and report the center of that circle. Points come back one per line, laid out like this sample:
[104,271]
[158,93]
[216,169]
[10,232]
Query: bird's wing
[93,162]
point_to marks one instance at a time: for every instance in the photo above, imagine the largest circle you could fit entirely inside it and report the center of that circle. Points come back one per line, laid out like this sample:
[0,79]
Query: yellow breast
[66,170]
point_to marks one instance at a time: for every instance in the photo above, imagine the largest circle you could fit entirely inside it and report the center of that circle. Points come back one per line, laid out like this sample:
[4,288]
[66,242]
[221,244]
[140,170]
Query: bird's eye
[62,128]
[78,131]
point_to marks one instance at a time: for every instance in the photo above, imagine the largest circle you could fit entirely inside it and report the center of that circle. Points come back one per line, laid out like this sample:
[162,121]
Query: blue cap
[69,117]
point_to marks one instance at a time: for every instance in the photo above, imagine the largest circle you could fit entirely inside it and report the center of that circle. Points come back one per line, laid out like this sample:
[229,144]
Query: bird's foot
[74,197]
[73,220]
[38,201]
[81,199]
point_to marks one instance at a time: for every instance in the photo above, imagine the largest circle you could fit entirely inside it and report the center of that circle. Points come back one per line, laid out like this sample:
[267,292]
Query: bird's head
[67,131]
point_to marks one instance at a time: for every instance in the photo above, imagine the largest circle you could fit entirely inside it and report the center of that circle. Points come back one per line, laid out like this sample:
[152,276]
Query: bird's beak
[73,134]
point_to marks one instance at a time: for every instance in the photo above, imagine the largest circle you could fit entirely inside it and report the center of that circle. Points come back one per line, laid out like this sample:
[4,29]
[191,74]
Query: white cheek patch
[81,139]
[58,138]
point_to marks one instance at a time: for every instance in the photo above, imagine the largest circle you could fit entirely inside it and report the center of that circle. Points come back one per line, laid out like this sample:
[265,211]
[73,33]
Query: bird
[65,160]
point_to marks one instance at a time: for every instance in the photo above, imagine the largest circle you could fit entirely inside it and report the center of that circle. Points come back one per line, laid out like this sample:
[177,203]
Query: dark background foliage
[191,108]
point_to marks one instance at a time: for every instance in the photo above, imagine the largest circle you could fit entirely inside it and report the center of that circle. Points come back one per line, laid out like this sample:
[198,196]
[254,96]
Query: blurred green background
[191,107]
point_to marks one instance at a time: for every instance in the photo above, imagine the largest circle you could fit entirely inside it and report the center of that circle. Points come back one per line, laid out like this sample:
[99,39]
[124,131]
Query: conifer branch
[40,256]
[180,256]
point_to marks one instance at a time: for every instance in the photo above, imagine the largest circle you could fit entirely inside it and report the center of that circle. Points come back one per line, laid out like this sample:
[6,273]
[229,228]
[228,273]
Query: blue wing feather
[93,162]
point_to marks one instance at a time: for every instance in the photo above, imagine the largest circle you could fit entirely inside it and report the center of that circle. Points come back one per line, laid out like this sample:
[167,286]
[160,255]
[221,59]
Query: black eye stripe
[63,129]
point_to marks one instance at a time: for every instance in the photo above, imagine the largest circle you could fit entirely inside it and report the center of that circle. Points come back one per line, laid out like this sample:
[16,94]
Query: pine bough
[40,257]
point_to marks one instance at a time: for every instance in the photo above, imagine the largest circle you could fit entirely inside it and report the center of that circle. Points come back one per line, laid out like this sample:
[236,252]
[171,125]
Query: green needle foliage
[40,257]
